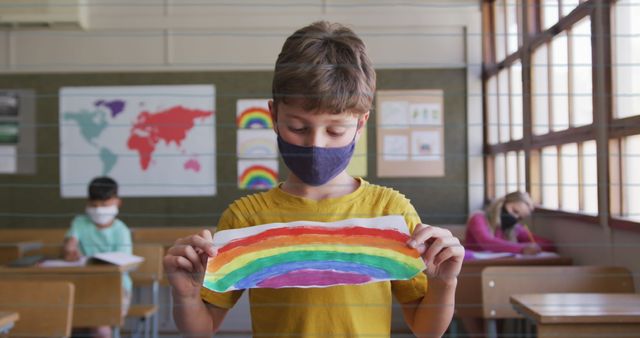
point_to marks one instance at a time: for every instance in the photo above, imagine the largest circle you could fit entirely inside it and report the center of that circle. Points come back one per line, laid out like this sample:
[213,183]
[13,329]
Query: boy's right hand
[71,251]
[186,262]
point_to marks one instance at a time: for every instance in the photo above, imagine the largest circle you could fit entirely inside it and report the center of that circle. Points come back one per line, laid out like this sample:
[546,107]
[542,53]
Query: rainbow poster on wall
[312,254]
[257,174]
[256,141]
[253,114]
[261,143]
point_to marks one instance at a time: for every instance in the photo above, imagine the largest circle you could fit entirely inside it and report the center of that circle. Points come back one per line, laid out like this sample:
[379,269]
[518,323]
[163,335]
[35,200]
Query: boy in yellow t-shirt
[323,89]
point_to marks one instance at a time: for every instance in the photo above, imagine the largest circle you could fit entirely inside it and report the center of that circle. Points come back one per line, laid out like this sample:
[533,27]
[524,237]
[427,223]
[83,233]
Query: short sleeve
[415,288]
[225,300]
[125,244]
[410,290]
[74,230]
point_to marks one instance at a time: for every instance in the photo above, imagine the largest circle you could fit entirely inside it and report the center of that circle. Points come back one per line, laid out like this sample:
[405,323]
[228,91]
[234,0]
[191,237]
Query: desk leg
[492,328]
[156,301]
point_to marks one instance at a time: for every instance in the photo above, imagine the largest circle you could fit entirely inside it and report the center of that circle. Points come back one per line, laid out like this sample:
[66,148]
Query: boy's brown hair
[325,65]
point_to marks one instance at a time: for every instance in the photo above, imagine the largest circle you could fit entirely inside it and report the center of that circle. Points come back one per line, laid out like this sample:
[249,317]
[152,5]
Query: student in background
[323,90]
[98,230]
[499,228]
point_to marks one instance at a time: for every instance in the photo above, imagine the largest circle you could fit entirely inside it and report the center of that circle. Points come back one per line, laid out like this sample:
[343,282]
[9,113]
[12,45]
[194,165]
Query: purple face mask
[316,165]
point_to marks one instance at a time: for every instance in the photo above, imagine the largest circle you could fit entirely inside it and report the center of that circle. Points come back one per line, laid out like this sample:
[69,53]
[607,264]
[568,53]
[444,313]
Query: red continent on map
[170,125]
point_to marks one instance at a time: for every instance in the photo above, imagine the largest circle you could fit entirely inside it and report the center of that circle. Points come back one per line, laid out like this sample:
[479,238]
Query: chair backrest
[500,282]
[151,269]
[45,308]
[52,239]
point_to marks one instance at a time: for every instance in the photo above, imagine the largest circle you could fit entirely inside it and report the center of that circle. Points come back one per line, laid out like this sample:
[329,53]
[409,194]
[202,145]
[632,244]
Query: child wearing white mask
[97,231]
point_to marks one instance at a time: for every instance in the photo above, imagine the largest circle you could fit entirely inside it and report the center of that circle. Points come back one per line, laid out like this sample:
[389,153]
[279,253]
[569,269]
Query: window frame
[604,128]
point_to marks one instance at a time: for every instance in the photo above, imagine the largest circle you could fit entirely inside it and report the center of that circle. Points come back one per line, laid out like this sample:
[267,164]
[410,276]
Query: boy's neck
[341,185]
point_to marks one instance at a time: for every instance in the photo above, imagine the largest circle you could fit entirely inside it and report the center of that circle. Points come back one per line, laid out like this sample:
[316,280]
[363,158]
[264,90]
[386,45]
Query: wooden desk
[10,251]
[581,314]
[98,290]
[7,319]
[469,290]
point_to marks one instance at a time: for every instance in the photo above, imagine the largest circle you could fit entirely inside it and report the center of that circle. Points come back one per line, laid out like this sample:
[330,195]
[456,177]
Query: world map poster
[153,140]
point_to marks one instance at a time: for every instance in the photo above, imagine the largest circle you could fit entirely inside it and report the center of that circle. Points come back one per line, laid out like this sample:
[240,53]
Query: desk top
[520,260]
[8,318]
[591,308]
[24,245]
[87,269]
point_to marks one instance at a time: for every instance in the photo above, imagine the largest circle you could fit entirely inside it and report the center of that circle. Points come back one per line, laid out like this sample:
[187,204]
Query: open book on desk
[469,254]
[115,258]
[542,254]
[473,255]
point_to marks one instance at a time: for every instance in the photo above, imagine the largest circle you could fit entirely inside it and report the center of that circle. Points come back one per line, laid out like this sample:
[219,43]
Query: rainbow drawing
[312,254]
[254,117]
[256,175]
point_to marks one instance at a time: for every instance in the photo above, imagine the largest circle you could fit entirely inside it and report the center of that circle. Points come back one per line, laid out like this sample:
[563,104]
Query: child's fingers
[433,249]
[200,242]
[448,253]
[206,234]
[438,246]
[186,251]
[183,263]
[423,233]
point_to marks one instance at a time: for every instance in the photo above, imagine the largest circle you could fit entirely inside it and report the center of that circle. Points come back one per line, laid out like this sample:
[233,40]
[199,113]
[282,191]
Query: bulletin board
[410,129]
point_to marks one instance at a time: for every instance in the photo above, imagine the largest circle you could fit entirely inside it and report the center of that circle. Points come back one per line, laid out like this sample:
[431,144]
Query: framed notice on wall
[410,128]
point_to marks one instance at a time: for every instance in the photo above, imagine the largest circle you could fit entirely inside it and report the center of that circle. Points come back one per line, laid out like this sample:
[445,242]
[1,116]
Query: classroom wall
[159,35]
[164,42]
[34,200]
[592,244]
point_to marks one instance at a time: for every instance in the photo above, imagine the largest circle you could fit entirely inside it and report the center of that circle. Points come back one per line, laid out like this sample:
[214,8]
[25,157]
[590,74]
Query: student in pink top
[499,229]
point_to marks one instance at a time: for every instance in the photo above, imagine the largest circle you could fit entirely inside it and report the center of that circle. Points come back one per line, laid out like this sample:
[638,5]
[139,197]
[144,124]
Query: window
[492,109]
[627,59]
[631,179]
[549,10]
[515,96]
[624,139]
[589,177]
[558,153]
[550,177]
[581,74]
[559,83]
[562,81]
[540,90]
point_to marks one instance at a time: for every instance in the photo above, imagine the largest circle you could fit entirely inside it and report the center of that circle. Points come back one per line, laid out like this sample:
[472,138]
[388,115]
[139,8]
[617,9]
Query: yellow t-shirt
[338,311]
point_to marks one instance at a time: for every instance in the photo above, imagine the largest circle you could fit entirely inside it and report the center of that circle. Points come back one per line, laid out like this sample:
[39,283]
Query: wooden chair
[51,239]
[500,282]
[45,308]
[148,274]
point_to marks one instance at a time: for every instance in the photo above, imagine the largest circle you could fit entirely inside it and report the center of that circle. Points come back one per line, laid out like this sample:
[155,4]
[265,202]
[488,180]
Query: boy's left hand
[441,251]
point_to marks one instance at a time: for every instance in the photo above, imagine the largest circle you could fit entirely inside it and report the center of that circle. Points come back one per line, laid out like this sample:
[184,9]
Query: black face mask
[507,220]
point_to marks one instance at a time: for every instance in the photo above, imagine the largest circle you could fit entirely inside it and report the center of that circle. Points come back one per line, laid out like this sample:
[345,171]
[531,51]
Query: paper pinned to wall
[257,174]
[257,143]
[394,114]
[410,133]
[8,159]
[312,254]
[396,148]
[425,145]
